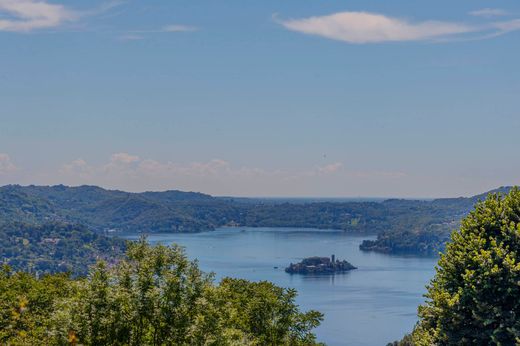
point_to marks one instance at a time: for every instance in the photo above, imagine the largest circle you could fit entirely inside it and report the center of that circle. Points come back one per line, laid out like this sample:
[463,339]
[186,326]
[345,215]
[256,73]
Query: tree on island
[474,298]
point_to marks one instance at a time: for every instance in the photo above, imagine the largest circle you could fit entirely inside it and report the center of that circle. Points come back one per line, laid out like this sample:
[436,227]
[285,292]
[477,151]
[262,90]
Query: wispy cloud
[508,26]
[78,167]
[330,168]
[104,7]
[124,164]
[134,35]
[489,12]
[6,165]
[167,28]
[179,28]
[216,176]
[365,27]
[131,37]
[124,158]
[29,15]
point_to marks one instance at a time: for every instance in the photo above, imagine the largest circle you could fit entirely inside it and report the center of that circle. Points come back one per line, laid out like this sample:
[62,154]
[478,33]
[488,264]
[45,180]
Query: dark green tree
[474,298]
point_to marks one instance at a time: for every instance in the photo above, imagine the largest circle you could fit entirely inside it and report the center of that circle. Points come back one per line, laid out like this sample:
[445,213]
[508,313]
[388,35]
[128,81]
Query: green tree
[266,313]
[27,304]
[474,298]
[156,296]
[153,297]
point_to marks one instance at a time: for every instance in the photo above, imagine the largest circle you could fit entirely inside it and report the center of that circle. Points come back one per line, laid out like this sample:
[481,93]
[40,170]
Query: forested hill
[177,211]
[100,209]
[414,226]
[428,232]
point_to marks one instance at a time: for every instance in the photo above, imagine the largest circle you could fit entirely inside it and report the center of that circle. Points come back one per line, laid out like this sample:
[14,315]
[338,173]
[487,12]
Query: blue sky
[262,98]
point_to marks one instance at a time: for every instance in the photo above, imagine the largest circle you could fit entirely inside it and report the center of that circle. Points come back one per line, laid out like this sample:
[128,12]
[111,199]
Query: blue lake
[373,305]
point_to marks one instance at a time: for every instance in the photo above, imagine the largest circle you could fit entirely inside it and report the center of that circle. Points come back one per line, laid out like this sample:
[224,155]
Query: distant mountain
[102,209]
[403,226]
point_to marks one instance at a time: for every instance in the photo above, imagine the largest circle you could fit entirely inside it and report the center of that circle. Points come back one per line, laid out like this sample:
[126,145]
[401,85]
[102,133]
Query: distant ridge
[101,209]
[177,211]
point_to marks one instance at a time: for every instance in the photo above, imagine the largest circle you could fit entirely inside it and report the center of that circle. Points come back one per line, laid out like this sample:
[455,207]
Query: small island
[319,265]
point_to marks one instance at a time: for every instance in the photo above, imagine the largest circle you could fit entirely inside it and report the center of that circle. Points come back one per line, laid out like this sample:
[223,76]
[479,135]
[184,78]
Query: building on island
[319,265]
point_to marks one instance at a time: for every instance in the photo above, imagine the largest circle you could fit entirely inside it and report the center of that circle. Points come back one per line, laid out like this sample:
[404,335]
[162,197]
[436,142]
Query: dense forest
[176,211]
[40,226]
[153,296]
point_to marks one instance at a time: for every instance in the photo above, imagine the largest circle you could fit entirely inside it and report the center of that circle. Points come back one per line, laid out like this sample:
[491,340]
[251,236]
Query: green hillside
[402,226]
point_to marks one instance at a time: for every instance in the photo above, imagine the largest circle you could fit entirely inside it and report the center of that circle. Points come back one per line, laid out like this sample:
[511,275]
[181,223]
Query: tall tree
[474,298]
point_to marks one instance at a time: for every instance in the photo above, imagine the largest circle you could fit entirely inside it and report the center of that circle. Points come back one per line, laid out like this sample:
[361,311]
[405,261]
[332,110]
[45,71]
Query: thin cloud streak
[131,37]
[508,26]
[134,35]
[179,28]
[489,12]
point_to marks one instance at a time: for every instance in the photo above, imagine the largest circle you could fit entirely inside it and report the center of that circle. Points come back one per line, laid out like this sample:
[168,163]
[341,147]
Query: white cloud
[220,177]
[120,165]
[123,158]
[489,12]
[507,26]
[331,168]
[29,15]
[79,163]
[77,167]
[210,168]
[6,165]
[365,27]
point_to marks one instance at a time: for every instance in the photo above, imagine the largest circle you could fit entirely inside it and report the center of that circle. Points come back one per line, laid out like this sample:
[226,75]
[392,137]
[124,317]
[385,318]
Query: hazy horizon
[268,197]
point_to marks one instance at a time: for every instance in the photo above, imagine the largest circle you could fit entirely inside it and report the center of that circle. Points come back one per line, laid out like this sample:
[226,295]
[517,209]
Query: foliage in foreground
[153,297]
[474,298]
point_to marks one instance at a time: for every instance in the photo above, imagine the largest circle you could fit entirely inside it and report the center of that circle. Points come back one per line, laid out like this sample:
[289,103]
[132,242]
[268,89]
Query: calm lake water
[372,305]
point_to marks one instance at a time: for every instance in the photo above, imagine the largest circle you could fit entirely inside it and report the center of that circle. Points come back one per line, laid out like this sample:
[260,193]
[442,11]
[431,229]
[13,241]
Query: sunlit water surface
[372,305]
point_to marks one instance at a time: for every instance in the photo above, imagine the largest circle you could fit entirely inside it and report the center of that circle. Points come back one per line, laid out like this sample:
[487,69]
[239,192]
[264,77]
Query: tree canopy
[155,296]
[474,298]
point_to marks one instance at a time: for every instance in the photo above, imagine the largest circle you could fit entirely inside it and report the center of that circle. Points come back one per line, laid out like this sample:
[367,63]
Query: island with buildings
[319,265]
